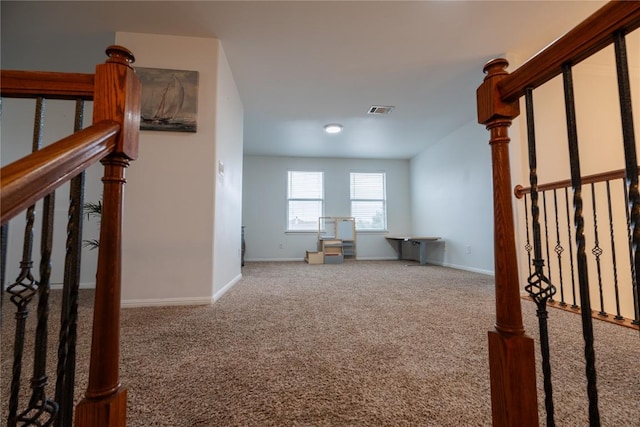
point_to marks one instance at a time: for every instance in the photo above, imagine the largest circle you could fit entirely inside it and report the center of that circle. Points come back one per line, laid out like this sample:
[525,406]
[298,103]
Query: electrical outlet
[281,245]
[467,249]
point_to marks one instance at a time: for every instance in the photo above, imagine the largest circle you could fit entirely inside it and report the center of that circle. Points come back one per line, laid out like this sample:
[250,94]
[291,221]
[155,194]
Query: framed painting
[169,99]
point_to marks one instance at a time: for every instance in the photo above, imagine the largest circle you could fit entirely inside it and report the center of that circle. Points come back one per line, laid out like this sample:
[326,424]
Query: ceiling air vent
[380,109]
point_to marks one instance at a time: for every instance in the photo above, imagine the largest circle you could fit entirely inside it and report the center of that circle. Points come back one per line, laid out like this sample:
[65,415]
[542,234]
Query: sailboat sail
[170,102]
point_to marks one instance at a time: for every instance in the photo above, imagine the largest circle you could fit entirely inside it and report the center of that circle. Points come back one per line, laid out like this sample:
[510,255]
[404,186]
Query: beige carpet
[363,343]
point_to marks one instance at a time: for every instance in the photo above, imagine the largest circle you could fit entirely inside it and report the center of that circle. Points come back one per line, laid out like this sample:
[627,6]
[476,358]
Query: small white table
[422,241]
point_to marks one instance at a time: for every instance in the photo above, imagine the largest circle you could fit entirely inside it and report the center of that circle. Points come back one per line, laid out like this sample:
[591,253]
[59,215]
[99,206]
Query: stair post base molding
[108,412]
[514,400]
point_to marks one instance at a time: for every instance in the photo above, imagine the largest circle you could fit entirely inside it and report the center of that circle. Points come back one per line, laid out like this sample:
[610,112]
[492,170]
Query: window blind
[368,200]
[305,200]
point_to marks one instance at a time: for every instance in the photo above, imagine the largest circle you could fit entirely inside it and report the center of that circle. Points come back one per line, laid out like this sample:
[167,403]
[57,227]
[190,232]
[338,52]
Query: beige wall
[170,199]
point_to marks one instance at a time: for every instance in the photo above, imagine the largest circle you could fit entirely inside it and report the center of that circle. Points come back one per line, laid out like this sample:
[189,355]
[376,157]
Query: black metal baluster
[41,411]
[613,252]
[546,237]
[69,311]
[539,287]
[630,239]
[528,246]
[583,276]
[4,238]
[558,249]
[597,250]
[25,287]
[570,240]
[631,161]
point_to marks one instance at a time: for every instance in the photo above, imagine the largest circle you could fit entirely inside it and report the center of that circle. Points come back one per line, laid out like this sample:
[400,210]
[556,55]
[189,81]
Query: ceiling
[299,65]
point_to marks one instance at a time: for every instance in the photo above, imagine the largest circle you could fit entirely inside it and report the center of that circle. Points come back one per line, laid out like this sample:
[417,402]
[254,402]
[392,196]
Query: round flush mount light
[333,128]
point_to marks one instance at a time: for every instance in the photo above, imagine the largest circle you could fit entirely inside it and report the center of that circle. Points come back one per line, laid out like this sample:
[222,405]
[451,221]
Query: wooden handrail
[520,191]
[29,84]
[592,35]
[27,180]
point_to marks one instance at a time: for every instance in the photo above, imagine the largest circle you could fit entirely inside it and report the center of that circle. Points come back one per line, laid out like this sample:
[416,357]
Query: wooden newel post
[511,353]
[116,98]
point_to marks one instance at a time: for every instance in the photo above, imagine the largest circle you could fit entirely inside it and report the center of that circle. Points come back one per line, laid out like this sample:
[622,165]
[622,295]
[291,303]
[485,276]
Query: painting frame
[169,100]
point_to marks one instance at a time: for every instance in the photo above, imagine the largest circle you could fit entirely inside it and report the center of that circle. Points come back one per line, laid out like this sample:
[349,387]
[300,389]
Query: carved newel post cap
[121,55]
[495,67]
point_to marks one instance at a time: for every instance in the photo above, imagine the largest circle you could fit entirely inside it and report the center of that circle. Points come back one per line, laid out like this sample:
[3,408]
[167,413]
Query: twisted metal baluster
[41,411]
[4,237]
[546,237]
[69,311]
[570,240]
[527,246]
[631,162]
[539,287]
[583,276]
[597,250]
[613,252]
[558,249]
[635,321]
[25,287]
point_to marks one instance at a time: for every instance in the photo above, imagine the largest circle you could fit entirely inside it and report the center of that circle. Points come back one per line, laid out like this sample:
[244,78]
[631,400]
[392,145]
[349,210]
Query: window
[368,200]
[305,200]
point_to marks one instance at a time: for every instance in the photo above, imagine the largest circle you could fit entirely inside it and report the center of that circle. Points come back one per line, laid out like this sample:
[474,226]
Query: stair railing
[112,140]
[613,299]
[511,350]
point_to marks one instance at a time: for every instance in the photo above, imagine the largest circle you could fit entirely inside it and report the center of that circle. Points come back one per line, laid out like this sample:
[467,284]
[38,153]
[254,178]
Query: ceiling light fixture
[333,128]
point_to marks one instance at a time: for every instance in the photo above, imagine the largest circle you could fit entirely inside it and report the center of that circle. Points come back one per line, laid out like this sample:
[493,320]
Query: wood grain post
[117,98]
[511,352]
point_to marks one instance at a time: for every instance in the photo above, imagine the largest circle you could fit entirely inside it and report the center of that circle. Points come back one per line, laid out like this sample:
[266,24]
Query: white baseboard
[89,285]
[302,259]
[472,269]
[159,302]
[226,287]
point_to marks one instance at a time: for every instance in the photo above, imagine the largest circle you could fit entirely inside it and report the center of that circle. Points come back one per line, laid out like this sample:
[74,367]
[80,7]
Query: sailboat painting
[169,99]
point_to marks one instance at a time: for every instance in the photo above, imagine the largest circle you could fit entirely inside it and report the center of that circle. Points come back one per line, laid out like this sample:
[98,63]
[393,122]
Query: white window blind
[368,200]
[305,200]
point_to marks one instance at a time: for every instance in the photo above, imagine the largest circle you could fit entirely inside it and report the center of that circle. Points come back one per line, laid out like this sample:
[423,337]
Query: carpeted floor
[366,343]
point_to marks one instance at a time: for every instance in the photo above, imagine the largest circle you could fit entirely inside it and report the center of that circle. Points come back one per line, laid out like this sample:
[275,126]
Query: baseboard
[302,259]
[89,285]
[226,287]
[464,267]
[429,261]
[159,302]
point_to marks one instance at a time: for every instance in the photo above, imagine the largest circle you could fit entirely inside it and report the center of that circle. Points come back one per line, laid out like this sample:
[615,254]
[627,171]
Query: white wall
[451,195]
[228,196]
[170,198]
[264,205]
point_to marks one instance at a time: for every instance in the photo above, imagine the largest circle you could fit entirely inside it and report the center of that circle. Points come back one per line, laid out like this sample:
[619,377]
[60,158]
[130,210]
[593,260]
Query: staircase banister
[592,35]
[519,191]
[51,85]
[27,180]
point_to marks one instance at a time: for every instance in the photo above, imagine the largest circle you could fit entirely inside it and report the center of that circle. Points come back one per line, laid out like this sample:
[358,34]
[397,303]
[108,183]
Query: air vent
[380,109]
